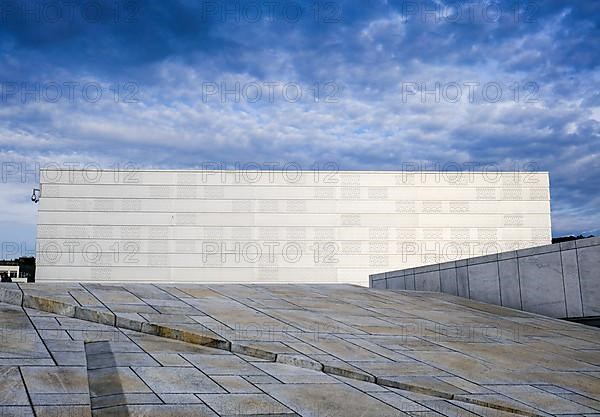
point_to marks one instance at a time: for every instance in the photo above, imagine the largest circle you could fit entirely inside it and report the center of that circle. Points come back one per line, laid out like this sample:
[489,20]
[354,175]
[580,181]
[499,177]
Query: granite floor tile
[154,344]
[170,359]
[235,384]
[400,402]
[167,410]
[292,374]
[16,411]
[110,381]
[461,409]
[542,400]
[109,346]
[261,379]
[580,399]
[362,385]
[55,380]
[114,359]
[180,399]
[221,364]
[329,399]
[113,400]
[12,389]
[69,358]
[244,404]
[108,297]
[63,411]
[177,380]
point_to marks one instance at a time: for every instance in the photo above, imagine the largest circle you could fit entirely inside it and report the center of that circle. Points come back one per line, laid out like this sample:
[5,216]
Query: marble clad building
[278,226]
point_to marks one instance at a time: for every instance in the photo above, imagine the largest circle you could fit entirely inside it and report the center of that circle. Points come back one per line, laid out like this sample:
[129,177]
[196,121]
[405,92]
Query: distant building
[18,270]
[10,271]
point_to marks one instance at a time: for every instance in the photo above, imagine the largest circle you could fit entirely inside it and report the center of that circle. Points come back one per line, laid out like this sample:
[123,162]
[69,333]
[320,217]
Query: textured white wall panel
[273,226]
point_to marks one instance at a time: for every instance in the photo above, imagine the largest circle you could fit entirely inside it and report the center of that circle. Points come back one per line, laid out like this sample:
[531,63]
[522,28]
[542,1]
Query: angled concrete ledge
[496,406]
[559,280]
[427,268]
[387,382]
[349,373]
[482,259]
[252,351]
[538,250]
[128,323]
[448,265]
[299,361]
[584,243]
[49,305]
[96,316]
[190,337]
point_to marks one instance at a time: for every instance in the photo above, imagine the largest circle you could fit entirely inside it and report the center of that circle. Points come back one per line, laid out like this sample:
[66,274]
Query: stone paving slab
[12,388]
[288,346]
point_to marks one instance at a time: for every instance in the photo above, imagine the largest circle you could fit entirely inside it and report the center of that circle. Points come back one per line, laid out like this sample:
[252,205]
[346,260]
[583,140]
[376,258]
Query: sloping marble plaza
[285,350]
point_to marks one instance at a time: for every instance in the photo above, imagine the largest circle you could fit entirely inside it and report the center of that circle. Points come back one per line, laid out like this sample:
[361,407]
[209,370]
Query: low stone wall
[560,280]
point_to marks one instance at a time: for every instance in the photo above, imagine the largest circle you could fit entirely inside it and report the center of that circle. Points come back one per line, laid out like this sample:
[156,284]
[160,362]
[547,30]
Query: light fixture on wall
[35,196]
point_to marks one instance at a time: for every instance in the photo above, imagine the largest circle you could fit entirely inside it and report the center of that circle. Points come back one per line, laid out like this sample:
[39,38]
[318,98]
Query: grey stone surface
[127,322]
[584,243]
[94,315]
[396,283]
[63,410]
[244,404]
[568,245]
[557,280]
[124,399]
[12,389]
[462,278]
[539,250]
[300,361]
[510,286]
[427,268]
[236,384]
[11,294]
[589,273]
[113,359]
[393,353]
[221,364]
[570,272]
[542,285]
[56,385]
[484,284]
[20,343]
[447,265]
[449,281]
[111,381]
[428,281]
[48,304]
[482,259]
[177,380]
[329,399]
[167,410]
[409,280]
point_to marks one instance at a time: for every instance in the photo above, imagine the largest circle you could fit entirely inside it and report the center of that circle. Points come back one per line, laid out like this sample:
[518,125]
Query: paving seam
[50,305]
[33,412]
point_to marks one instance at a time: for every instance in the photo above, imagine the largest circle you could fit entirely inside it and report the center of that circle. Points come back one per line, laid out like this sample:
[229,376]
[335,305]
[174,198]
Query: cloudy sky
[181,82]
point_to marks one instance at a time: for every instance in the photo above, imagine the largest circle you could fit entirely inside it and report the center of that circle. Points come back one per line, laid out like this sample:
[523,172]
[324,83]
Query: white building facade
[11,271]
[278,226]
